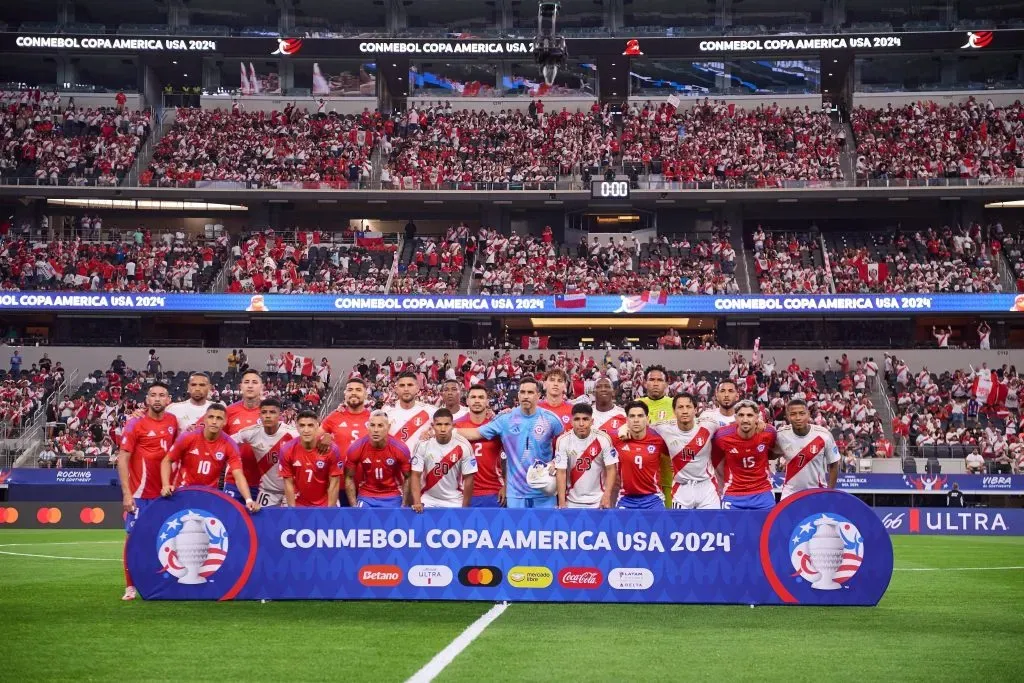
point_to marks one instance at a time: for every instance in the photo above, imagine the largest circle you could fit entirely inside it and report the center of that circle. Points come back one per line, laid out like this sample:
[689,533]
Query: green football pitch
[954,610]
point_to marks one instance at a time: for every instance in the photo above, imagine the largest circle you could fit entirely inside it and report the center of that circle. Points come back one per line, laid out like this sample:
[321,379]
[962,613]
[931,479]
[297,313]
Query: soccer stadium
[461,341]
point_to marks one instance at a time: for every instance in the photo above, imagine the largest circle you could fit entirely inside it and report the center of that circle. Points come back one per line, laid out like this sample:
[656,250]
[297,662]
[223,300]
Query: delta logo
[380,575]
[530,577]
[480,577]
[580,577]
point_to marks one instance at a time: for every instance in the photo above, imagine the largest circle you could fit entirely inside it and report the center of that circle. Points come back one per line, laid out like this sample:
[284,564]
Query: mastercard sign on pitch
[815,548]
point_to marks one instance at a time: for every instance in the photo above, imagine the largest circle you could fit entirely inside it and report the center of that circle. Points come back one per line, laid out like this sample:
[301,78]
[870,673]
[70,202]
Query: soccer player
[641,458]
[191,411]
[409,418]
[555,384]
[585,463]
[451,398]
[243,414]
[144,443]
[527,436]
[443,468]
[347,424]
[810,452]
[262,443]
[377,467]
[659,409]
[203,456]
[608,417]
[745,453]
[311,478]
[726,396]
[489,482]
[694,486]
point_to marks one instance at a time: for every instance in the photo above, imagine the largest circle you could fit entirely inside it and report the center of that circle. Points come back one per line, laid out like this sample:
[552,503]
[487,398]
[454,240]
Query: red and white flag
[988,390]
[873,272]
[254,81]
[655,296]
[303,365]
[539,342]
[320,86]
[461,362]
[246,87]
[755,357]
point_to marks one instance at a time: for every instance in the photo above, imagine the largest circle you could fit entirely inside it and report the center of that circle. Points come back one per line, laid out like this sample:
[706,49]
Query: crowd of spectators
[788,263]
[268,263]
[171,262]
[1010,243]
[943,260]
[47,145]
[939,415]
[716,140]
[441,145]
[968,139]
[24,390]
[433,265]
[288,148]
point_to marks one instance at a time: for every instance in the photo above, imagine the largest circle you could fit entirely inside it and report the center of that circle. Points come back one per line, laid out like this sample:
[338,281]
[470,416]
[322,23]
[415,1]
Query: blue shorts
[130,519]
[546,502]
[756,501]
[649,502]
[371,502]
[233,491]
[485,501]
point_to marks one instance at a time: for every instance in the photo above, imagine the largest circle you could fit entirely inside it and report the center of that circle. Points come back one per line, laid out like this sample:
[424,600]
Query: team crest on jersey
[219,455]
[760,448]
[826,550]
[389,462]
[192,546]
[319,464]
[540,429]
[565,419]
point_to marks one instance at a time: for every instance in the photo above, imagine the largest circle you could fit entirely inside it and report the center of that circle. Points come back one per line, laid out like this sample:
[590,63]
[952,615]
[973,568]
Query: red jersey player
[144,443]
[242,414]
[746,453]
[347,424]
[489,483]
[204,455]
[555,384]
[641,455]
[377,467]
[311,478]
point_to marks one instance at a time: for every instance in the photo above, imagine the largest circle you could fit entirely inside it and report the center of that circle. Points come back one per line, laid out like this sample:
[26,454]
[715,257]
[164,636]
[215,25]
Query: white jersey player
[442,468]
[266,440]
[726,395]
[190,412]
[585,462]
[408,419]
[694,486]
[810,452]
[451,398]
[608,417]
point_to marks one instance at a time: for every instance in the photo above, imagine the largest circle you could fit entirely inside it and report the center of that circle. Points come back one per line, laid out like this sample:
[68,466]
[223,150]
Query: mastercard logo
[48,515]
[8,515]
[92,515]
[482,577]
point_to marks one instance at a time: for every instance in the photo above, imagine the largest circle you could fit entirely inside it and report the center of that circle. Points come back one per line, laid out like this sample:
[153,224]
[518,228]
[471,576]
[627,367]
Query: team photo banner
[648,303]
[815,548]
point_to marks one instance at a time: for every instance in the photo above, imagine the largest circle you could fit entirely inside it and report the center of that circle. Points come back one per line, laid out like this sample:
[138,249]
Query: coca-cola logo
[892,522]
[580,577]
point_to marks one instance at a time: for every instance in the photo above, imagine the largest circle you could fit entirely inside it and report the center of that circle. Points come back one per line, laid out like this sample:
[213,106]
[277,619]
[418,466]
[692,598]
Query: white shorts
[697,495]
[270,499]
[788,491]
[583,506]
[985,345]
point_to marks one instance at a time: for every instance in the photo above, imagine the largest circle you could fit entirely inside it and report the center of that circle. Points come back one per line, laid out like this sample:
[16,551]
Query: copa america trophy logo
[826,551]
[192,546]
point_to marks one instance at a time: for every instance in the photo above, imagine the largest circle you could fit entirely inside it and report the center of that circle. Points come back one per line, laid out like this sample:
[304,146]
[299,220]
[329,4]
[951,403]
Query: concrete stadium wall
[342,105]
[89,358]
[881,100]
[100,99]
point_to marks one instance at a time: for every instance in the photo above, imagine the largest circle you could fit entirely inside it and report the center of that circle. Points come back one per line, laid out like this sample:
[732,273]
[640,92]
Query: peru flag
[873,272]
[303,365]
[988,390]
[655,296]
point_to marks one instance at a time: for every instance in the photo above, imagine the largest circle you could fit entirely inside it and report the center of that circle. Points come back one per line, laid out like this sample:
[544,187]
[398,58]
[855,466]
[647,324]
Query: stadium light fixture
[148,204]
[618,321]
[1012,204]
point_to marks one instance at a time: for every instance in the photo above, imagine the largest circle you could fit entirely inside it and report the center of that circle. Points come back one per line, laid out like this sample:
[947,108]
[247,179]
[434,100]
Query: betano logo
[484,577]
[530,577]
[380,575]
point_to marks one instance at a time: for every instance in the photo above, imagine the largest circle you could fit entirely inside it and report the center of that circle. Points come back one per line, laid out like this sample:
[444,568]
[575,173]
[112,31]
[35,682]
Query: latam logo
[480,577]
[430,575]
[380,575]
[631,578]
[580,577]
[530,577]
[977,40]
[287,46]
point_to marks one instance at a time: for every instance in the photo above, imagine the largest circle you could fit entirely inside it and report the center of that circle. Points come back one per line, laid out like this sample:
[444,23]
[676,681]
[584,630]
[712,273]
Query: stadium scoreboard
[609,189]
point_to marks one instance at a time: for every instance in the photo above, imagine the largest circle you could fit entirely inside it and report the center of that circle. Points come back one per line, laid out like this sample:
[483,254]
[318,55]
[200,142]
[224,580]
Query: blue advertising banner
[953,521]
[570,304]
[815,548]
[34,484]
[1009,484]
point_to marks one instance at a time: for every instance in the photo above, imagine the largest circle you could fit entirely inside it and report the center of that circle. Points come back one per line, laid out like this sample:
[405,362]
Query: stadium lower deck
[954,606]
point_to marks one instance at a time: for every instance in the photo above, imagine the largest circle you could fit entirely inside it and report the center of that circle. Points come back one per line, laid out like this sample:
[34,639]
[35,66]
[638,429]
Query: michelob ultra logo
[530,577]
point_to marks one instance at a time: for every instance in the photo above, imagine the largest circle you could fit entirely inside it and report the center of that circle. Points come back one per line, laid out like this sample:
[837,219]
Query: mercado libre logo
[192,546]
[826,550]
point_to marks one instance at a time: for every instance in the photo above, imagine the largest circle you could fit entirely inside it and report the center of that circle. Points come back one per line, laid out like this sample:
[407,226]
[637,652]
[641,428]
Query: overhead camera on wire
[549,48]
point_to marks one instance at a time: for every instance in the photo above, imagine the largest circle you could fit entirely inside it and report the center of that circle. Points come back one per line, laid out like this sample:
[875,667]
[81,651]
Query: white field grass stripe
[63,557]
[953,569]
[445,657]
[17,545]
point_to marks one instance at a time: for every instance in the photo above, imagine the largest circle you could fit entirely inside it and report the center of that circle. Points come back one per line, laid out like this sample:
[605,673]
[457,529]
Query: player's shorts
[372,502]
[132,517]
[545,502]
[651,501]
[270,499]
[696,495]
[582,506]
[756,501]
[489,500]
[233,491]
